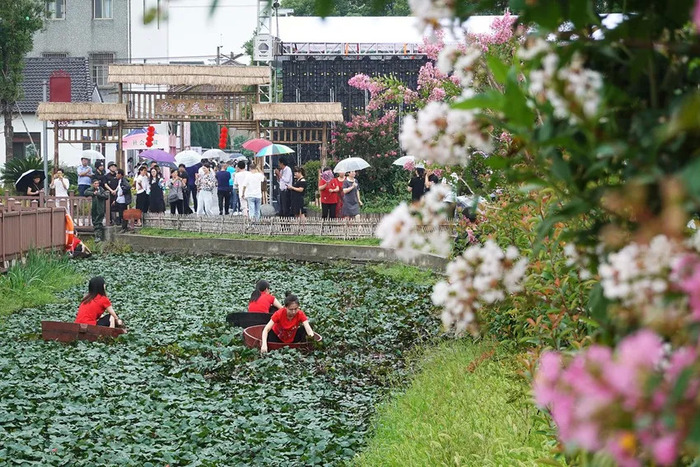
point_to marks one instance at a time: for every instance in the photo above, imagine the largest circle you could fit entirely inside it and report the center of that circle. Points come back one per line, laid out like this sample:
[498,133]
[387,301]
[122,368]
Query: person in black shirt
[417,184]
[110,184]
[432,180]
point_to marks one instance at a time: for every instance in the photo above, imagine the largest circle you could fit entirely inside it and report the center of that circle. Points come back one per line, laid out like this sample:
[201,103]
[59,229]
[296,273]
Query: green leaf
[492,100]
[498,68]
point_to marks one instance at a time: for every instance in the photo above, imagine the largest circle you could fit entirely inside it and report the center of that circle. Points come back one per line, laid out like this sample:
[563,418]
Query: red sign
[59,87]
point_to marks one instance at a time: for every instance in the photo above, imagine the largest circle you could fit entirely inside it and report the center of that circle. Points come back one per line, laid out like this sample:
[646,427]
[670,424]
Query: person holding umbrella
[285,178]
[30,183]
[351,198]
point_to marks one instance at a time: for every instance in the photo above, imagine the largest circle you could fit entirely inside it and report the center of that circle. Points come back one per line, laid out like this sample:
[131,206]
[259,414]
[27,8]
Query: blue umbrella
[273,150]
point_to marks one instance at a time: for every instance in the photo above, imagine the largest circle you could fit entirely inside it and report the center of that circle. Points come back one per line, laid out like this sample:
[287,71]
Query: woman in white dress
[207,205]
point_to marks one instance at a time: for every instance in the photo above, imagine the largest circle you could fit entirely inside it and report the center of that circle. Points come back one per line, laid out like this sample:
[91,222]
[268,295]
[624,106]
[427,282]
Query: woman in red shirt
[285,324]
[94,304]
[329,188]
[261,301]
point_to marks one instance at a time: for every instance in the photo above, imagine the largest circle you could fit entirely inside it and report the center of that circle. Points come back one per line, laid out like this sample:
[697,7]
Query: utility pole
[45,143]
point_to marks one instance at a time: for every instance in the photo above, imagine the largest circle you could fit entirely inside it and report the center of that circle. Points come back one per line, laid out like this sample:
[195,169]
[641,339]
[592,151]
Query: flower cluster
[461,61]
[409,230]
[686,278]
[481,275]
[637,275]
[501,32]
[430,12]
[635,403]
[573,90]
[444,135]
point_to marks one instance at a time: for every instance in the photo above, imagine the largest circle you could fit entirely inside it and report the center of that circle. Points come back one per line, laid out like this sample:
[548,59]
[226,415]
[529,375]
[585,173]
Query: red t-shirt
[326,196]
[286,328]
[74,244]
[90,312]
[262,304]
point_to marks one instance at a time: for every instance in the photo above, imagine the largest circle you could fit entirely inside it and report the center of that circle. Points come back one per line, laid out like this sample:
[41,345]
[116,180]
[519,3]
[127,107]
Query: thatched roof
[75,111]
[300,111]
[191,75]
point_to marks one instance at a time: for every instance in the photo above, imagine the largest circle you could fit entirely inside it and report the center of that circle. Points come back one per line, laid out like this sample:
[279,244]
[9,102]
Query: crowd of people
[208,189]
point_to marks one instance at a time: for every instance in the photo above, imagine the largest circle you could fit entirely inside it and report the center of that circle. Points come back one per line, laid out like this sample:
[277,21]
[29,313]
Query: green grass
[287,238]
[404,274]
[466,406]
[33,283]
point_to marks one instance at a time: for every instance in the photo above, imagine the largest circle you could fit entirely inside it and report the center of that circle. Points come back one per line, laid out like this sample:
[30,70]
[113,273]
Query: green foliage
[237,145]
[180,388]
[311,168]
[34,282]
[282,239]
[19,20]
[205,134]
[14,167]
[348,7]
[466,405]
[377,203]
[404,274]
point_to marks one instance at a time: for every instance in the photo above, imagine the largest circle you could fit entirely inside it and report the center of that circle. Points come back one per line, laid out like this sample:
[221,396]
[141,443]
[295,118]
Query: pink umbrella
[256,144]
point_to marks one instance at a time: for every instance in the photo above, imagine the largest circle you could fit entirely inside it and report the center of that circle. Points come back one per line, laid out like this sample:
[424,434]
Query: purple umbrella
[157,155]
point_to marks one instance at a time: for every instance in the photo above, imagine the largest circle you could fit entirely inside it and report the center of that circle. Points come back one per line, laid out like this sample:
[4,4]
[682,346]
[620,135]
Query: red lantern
[149,135]
[223,138]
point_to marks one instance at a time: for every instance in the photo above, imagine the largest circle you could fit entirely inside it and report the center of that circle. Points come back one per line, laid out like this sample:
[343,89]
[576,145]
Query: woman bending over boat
[288,324]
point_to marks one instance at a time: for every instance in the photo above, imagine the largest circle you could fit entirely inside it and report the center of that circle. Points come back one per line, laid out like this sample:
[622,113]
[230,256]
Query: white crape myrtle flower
[430,12]
[638,275]
[460,61]
[481,275]
[398,231]
[565,84]
[444,135]
[409,230]
[532,48]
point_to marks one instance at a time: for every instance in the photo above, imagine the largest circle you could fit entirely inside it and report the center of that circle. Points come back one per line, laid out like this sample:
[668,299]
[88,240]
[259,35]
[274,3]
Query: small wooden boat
[253,339]
[247,319]
[69,332]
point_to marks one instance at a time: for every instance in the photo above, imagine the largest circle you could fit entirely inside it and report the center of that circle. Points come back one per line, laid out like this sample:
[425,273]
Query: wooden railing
[23,228]
[79,207]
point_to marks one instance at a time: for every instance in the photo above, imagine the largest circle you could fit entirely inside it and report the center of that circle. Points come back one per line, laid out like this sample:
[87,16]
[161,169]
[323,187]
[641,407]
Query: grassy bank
[34,283]
[466,406]
[287,238]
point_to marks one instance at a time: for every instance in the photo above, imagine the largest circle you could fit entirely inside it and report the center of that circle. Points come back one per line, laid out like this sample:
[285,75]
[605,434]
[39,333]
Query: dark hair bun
[287,293]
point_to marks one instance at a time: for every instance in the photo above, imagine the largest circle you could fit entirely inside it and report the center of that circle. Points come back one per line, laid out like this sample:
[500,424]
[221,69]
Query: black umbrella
[27,179]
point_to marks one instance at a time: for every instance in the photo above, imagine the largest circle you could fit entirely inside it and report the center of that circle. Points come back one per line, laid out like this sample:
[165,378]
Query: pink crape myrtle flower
[686,275]
[623,402]
[696,15]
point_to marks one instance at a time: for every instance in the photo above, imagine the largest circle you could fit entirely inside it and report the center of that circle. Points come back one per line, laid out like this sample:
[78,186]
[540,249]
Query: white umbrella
[92,155]
[215,154]
[403,159]
[188,157]
[351,164]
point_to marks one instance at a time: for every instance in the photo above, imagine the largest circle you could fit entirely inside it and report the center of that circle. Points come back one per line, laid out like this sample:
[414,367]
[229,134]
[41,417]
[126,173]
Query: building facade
[98,30]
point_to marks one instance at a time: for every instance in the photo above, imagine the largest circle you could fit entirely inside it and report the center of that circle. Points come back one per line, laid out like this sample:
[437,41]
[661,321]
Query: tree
[19,20]
[348,7]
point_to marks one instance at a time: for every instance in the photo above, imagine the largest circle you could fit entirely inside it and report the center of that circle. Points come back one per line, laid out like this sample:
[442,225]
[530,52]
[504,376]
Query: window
[99,65]
[54,54]
[102,9]
[56,9]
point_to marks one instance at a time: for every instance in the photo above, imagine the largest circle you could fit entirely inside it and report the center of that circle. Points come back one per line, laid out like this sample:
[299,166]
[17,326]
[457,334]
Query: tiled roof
[38,69]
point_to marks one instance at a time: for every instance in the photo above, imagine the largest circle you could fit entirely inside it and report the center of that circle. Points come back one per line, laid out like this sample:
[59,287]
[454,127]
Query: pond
[181,389]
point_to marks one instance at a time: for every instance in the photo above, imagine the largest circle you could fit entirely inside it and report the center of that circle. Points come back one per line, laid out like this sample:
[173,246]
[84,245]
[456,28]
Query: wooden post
[324,144]
[120,144]
[55,145]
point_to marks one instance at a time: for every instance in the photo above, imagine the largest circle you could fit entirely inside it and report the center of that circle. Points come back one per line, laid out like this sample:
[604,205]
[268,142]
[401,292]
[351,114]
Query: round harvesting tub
[253,338]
